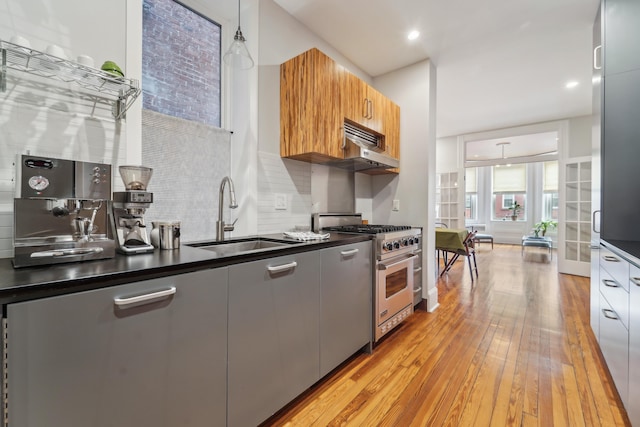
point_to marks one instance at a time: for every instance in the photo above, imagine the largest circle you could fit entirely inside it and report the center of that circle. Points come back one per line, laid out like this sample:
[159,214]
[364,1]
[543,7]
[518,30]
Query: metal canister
[169,234]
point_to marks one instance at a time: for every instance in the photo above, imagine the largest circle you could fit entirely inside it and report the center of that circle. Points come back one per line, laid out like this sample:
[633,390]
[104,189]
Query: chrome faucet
[221,227]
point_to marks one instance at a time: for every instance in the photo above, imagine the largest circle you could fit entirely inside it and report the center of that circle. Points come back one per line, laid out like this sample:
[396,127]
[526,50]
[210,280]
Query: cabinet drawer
[616,296]
[614,342]
[616,266]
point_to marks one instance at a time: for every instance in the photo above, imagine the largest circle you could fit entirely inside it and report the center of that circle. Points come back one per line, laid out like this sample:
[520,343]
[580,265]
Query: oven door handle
[384,266]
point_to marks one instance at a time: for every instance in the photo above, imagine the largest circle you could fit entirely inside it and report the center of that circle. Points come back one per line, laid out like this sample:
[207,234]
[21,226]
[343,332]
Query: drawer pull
[609,314]
[610,283]
[417,269]
[349,252]
[636,281]
[416,290]
[283,267]
[146,298]
[610,258]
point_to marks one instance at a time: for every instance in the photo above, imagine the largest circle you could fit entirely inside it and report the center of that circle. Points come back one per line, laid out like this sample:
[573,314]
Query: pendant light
[238,55]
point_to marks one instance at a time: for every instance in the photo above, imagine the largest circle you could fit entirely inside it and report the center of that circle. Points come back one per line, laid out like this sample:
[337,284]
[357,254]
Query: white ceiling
[500,63]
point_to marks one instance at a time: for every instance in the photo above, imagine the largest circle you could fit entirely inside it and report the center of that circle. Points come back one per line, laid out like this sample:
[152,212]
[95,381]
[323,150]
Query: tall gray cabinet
[618,323]
[620,124]
[150,353]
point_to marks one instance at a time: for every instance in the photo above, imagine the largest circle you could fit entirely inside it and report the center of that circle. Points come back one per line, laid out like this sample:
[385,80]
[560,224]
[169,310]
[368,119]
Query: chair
[469,251]
[484,238]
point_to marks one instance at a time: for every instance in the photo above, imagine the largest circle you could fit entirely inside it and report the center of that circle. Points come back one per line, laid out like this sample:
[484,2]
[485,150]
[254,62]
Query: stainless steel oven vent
[372,141]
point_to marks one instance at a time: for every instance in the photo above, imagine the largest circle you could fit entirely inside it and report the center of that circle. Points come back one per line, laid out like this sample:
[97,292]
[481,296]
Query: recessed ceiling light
[571,84]
[413,35]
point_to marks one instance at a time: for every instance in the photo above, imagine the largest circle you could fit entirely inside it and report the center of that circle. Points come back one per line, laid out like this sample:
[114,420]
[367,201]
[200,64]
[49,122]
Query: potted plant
[515,210]
[543,226]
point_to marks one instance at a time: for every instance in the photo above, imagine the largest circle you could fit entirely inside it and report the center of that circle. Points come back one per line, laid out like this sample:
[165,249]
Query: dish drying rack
[306,235]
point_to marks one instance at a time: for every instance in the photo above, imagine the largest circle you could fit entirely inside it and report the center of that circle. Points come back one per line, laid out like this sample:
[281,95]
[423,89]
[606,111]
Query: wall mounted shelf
[87,83]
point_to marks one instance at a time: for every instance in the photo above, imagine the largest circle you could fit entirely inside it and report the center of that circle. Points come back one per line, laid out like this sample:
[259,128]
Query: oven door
[394,288]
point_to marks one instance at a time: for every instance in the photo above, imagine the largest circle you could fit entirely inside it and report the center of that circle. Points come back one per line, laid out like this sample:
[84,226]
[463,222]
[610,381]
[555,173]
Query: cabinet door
[273,334]
[354,102]
[634,344]
[88,360]
[621,36]
[614,343]
[346,307]
[620,154]
[378,109]
[310,115]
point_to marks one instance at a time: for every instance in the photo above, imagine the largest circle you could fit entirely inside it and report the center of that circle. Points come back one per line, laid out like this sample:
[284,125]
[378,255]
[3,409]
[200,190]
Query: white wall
[413,89]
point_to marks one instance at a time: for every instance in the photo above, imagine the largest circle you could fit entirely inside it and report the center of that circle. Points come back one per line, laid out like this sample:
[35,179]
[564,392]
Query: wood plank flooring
[513,349]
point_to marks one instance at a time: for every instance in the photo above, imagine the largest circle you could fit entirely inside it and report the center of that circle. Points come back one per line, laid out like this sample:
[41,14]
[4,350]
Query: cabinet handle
[593,221]
[344,138]
[126,302]
[611,316]
[610,258]
[595,58]
[636,281]
[417,269]
[349,252]
[416,290]
[417,251]
[283,267]
[610,283]
[365,108]
[370,109]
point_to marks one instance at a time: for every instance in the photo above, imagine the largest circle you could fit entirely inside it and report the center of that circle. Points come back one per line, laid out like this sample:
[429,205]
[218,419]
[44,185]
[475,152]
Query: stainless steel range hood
[362,151]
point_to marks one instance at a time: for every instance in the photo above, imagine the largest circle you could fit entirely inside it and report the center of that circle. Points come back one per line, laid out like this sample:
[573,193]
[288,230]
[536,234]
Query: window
[509,185]
[181,62]
[507,201]
[550,190]
[471,194]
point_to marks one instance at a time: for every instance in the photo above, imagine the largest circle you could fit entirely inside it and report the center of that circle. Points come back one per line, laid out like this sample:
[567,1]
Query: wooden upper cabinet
[363,104]
[316,96]
[311,117]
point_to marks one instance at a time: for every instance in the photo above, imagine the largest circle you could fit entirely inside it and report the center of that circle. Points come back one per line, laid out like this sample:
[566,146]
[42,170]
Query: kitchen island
[181,337]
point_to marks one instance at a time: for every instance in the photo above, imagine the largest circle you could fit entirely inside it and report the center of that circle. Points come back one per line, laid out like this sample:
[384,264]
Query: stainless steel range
[396,251]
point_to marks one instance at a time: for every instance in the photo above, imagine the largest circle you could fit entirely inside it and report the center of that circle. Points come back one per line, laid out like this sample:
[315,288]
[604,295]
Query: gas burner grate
[368,228]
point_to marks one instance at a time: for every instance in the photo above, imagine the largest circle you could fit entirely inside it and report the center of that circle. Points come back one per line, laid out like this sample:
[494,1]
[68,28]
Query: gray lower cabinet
[273,334]
[634,345]
[345,303]
[150,353]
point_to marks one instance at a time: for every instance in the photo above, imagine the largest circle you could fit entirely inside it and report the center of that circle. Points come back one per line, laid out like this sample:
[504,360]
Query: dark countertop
[626,249]
[37,282]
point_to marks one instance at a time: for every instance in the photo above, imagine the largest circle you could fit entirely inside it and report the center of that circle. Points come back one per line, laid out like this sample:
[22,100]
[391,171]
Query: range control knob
[411,241]
[396,245]
[417,240]
[388,246]
[405,242]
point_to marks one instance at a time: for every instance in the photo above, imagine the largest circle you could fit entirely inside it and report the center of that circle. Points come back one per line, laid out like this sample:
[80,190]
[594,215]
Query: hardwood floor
[513,349]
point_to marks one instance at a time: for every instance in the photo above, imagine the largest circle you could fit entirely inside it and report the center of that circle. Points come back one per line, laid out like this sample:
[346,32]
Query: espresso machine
[128,207]
[61,211]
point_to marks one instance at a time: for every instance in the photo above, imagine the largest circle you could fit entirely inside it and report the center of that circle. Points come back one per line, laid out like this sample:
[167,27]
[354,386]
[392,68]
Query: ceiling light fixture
[571,84]
[501,145]
[413,35]
[238,55]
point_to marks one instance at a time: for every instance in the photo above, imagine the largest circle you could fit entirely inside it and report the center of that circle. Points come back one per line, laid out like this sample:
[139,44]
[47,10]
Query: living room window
[550,190]
[181,62]
[471,194]
[509,185]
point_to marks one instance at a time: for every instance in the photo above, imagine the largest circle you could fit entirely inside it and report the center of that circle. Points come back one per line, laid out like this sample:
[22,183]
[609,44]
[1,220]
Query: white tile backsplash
[283,176]
[189,161]
[35,119]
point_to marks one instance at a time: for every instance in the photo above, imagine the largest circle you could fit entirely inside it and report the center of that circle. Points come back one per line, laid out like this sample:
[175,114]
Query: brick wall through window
[180,62]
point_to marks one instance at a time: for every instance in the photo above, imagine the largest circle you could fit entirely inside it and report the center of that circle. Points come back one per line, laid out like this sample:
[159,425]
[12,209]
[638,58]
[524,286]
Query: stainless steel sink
[242,246]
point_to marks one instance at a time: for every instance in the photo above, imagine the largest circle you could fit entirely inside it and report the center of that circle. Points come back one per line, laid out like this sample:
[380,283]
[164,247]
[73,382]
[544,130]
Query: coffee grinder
[128,209]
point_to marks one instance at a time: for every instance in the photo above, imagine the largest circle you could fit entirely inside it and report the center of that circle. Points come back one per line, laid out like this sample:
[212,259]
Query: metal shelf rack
[95,85]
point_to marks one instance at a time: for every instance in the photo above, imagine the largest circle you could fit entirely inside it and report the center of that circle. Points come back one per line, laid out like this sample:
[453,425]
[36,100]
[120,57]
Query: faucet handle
[230,227]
